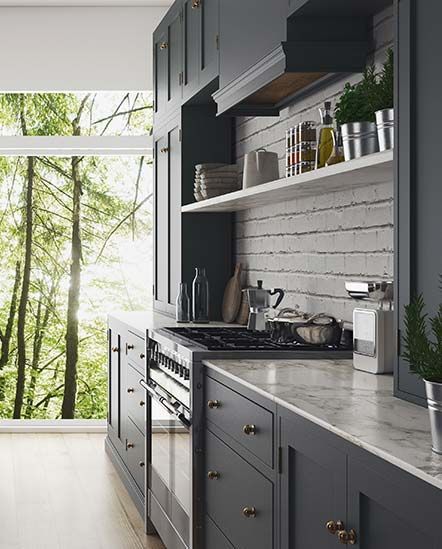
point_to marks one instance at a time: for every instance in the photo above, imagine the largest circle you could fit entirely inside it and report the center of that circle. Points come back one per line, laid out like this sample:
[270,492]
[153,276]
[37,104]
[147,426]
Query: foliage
[423,351]
[115,226]
[359,102]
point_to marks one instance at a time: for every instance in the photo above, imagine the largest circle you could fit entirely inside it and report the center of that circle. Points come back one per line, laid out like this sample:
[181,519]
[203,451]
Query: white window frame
[105,145]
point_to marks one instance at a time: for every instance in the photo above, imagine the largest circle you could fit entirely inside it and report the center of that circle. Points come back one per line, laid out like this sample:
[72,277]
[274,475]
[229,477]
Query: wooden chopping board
[232,296]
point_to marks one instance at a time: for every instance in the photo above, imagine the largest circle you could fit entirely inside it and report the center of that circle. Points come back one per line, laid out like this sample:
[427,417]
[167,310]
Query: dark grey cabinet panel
[395,511]
[161,61]
[241,500]
[161,241]
[136,398]
[192,23]
[418,192]
[136,350]
[175,259]
[210,40]
[115,383]
[175,55]
[249,30]
[135,454]
[214,538]
[313,486]
[240,418]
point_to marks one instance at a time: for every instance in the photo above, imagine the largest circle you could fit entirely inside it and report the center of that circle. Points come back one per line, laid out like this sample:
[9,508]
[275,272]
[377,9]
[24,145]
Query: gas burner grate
[237,339]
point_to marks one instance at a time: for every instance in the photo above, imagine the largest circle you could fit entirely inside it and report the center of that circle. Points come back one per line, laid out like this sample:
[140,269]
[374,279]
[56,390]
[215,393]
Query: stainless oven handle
[161,400]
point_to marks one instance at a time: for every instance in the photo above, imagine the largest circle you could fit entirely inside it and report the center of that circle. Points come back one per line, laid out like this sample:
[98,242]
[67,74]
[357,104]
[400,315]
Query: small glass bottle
[183,304]
[200,296]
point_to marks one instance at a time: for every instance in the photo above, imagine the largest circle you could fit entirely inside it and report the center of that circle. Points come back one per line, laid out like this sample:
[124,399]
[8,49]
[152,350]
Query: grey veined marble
[357,406]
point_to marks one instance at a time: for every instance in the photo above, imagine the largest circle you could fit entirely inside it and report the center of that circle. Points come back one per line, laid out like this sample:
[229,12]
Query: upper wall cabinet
[168,62]
[272,52]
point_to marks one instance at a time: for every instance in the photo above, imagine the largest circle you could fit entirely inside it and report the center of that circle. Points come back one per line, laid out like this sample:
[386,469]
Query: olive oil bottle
[325,145]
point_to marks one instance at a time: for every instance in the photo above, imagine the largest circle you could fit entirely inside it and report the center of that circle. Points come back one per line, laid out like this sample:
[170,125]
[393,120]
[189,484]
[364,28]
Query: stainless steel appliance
[373,329]
[259,304]
[174,385]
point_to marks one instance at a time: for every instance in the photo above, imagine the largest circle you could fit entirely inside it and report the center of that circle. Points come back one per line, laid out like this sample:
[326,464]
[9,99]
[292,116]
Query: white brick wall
[311,245]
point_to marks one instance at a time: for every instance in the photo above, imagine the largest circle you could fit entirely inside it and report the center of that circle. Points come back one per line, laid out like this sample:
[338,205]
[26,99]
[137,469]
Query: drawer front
[215,539]
[238,490]
[239,417]
[136,398]
[135,454]
[136,350]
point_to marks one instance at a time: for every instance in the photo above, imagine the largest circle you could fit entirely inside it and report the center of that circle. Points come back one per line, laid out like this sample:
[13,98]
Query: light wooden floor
[60,491]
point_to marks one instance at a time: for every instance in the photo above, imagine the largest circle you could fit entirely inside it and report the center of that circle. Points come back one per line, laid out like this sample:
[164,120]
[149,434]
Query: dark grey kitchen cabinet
[191,49]
[418,190]
[313,486]
[168,62]
[210,41]
[125,443]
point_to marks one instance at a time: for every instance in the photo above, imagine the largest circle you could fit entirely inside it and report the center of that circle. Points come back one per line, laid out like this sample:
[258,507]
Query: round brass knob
[347,538]
[142,403]
[249,430]
[196,4]
[164,149]
[130,346]
[115,349]
[141,464]
[212,404]
[334,527]
[164,46]
[130,390]
[213,475]
[142,355]
[130,445]
[249,512]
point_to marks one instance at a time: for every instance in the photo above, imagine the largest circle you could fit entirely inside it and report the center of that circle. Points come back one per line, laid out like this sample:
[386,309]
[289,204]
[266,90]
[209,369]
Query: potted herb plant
[423,352]
[385,113]
[356,110]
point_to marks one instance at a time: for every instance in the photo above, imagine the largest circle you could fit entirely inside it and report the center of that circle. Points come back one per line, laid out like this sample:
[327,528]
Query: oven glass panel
[171,454]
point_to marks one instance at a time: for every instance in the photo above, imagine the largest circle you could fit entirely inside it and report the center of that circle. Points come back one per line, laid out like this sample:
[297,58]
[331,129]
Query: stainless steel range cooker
[174,385]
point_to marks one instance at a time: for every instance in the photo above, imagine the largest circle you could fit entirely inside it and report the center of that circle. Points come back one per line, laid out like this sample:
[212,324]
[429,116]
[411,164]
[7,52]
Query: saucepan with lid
[292,325]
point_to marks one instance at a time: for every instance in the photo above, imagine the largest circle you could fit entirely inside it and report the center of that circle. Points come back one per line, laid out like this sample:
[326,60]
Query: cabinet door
[114,417]
[191,31]
[174,213]
[161,60]
[161,220]
[209,61]
[389,512]
[175,60]
[313,486]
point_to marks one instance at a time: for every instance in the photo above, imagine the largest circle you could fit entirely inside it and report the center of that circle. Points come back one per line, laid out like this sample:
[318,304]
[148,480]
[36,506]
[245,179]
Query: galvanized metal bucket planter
[434,399]
[359,139]
[385,125]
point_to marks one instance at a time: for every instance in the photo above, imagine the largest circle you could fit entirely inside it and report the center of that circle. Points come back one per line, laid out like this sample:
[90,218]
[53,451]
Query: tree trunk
[21,318]
[7,335]
[70,380]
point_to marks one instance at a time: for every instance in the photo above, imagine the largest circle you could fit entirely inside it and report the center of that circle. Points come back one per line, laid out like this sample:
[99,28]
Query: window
[75,225]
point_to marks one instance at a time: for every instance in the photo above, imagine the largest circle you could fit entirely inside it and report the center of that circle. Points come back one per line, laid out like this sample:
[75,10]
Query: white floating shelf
[368,170]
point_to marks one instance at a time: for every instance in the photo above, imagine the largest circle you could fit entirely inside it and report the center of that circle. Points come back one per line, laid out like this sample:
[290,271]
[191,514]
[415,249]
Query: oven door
[169,478]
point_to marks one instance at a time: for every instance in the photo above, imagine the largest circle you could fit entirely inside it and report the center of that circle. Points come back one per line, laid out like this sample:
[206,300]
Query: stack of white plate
[214,180]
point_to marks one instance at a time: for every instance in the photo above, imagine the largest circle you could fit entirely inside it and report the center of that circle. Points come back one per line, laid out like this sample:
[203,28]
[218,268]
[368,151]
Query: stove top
[240,339]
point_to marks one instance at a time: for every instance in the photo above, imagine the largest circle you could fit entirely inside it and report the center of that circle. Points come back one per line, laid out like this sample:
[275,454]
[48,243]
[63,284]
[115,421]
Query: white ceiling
[91,3]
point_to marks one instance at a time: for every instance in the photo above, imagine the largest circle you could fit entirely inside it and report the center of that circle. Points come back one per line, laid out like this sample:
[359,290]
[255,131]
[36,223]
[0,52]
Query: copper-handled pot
[293,326]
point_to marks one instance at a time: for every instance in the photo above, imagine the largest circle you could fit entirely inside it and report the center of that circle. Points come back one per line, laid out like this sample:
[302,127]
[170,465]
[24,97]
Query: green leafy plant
[359,102]
[423,340]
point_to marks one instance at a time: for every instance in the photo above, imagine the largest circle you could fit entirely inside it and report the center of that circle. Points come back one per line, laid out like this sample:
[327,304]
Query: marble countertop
[357,406]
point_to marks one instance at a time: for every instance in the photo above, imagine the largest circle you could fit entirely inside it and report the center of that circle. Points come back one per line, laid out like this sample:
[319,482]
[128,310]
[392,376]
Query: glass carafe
[183,304]
[200,296]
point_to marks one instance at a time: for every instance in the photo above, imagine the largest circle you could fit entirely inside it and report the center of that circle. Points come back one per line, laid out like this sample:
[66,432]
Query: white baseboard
[53,426]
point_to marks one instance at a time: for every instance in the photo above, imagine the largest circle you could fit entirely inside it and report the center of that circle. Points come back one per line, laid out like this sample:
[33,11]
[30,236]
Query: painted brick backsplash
[309,246]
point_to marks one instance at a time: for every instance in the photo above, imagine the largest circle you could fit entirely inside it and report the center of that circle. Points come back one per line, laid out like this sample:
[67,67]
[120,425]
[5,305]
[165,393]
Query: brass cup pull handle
[115,349]
[164,46]
[142,403]
[130,445]
[130,346]
[213,404]
[249,429]
[130,390]
[213,475]
[141,464]
[334,526]
[249,512]
[347,538]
